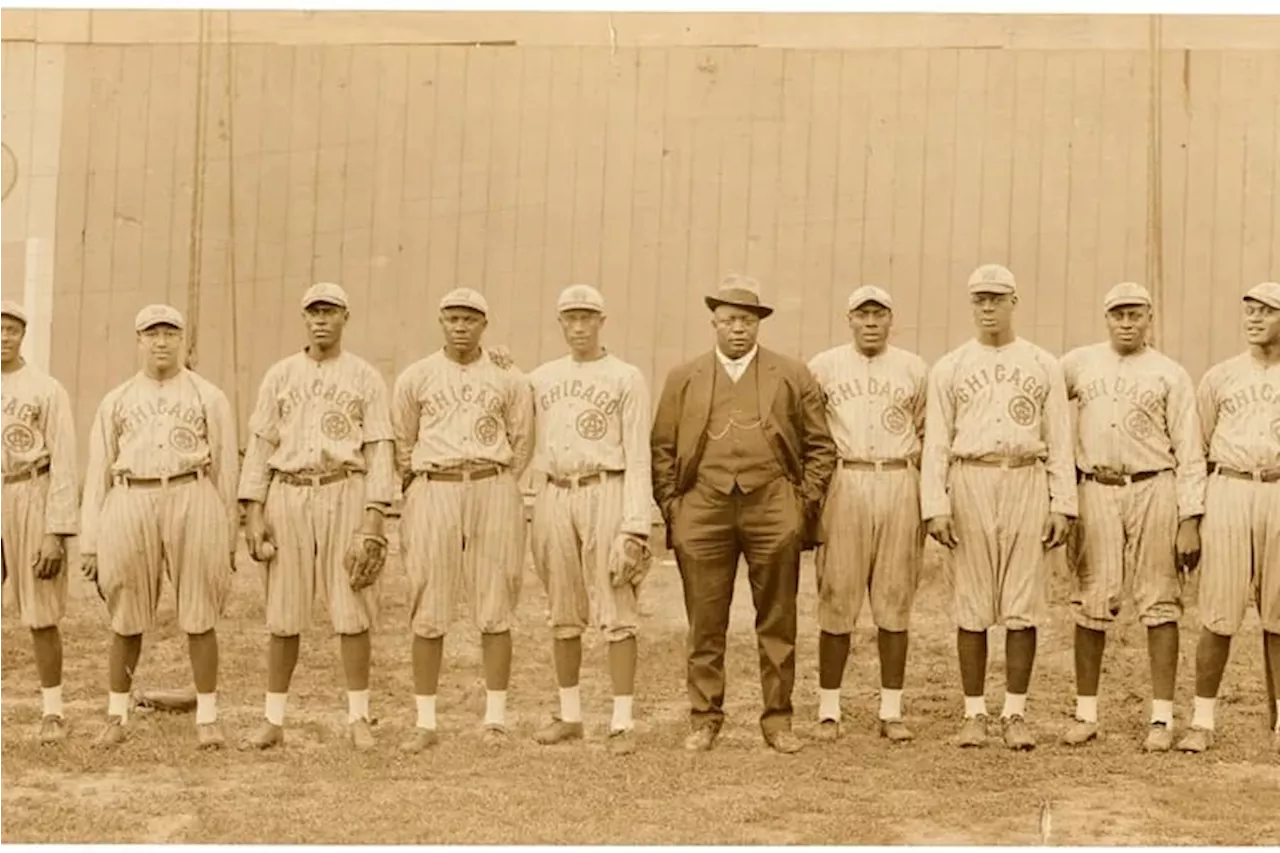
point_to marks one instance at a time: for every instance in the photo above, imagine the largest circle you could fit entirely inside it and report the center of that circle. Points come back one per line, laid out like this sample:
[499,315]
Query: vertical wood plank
[850,179]
[589,170]
[1115,167]
[646,216]
[820,208]
[503,191]
[418,331]
[966,198]
[1236,98]
[388,182]
[1137,139]
[210,325]
[247,128]
[330,180]
[1173,139]
[735,79]
[877,241]
[706,107]
[306,116]
[768,117]
[938,279]
[677,299]
[185,174]
[560,191]
[905,261]
[476,121]
[537,81]
[619,186]
[1260,171]
[998,144]
[1203,76]
[1055,202]
[1029,111]
[446,178]
[1085,194]
[363,101]
[159,182]
[68,269]
[19,86]
[784,330]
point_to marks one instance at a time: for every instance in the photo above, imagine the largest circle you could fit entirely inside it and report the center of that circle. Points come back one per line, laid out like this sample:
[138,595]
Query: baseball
[268,552]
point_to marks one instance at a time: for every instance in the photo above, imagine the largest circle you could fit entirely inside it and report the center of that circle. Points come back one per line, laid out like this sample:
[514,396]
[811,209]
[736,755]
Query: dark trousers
[710,532]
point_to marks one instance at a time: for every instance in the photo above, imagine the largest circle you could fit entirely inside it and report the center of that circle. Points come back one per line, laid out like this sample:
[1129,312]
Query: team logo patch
[1138,424]
[183,439]
[335,425]
[486,430]
[894,420]
[1022,409]
[19,438]
[592,425]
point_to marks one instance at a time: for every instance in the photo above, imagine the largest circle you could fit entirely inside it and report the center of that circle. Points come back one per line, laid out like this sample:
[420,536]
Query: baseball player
[593,465]
[997,489]
[317,482]
[875,397]
[463,430]
[1239,403]
[159,498]
[1141,495]
[40,493]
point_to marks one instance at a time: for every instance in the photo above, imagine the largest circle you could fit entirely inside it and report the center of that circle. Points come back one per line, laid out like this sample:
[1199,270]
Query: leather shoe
[701,739]
[784,741]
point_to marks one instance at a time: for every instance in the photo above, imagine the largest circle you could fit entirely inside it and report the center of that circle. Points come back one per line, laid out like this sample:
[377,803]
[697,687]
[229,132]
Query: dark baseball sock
[1162,647]
[1090,645]
[47,644]
[833,655]
[122,662]
[203,649]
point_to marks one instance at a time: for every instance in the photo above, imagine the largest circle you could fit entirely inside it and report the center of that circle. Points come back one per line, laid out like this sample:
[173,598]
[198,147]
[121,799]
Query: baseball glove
[629,559]
[160,699]
[364,559]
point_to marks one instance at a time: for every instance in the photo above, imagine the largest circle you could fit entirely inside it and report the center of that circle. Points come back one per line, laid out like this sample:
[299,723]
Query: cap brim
[1128,303]
[474,308]
[997,289]
[155,323]
[1264,300]
[577,306]
[18,317]
[324,300]
[870,300]
[760,311]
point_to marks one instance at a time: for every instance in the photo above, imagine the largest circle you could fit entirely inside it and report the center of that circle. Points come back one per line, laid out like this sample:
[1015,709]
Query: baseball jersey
[37,429]
[1239,402]
[445,414]
[594,416]
[316,417]
[875,405]
[150,428]
[997,402]
[1137,413]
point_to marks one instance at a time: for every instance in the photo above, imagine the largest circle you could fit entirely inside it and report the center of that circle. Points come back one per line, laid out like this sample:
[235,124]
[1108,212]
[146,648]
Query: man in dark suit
[741,461]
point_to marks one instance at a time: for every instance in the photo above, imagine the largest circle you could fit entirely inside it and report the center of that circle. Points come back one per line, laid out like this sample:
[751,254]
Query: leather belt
[876,464]
[313,480]
[579,480]
[461,475]
[1007,464]
[1115,478]
[29,474]
[1265,475]
[160,482]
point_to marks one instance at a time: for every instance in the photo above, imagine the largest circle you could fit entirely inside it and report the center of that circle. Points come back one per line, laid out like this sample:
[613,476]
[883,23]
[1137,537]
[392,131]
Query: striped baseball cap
[1268,293]
[326,292]
[1126,293]
[465,297]
[870,293]
[158,315]
[581,297]
[992,278]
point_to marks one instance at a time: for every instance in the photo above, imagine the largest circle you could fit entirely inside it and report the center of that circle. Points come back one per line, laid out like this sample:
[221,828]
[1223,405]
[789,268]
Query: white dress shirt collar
[735,367]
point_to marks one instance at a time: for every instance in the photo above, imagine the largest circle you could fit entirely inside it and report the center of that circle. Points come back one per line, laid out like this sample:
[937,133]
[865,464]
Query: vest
[737,452]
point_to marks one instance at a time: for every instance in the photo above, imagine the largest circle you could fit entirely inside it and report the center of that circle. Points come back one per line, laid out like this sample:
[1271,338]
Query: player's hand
[1187,545]
[943,531]
[258,538]
[1056,528]
[89,566]
[501,356]
[52,555]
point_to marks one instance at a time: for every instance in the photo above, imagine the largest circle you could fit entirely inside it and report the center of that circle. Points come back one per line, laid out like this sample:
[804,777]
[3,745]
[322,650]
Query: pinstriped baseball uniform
[462,533]
[874,542]
[1239,402]
[988,407]
[592,418]
[38,440]
[1136,415]
[141,525]
[315,464]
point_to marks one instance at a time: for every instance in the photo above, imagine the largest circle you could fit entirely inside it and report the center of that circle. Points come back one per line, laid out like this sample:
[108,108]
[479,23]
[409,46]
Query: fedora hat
[740,291]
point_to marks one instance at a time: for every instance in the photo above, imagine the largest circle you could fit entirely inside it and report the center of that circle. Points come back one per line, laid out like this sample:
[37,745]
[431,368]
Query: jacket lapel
[768,380]
[701,387]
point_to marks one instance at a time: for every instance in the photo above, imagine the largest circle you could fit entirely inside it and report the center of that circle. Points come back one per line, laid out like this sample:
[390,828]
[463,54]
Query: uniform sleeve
[637,481]
[224,449]
[1070,367]
[1188,446]
[919,399]
[522,429]
[939,427]
[264,436]
[1061,464]
[61,505]
[404,418]
[819,451]
[379,443]
[1207,408]
[103,449]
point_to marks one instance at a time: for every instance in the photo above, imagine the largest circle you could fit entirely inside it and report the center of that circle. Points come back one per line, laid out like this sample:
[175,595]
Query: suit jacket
[794,421]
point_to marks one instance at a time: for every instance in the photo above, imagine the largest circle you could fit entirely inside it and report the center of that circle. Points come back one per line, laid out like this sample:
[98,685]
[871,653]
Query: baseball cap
[869,293]
[156,315]
[465,297]
[327,292]
[9,308]
[1126,293]
[582,297]
[992,278]
[1268,293]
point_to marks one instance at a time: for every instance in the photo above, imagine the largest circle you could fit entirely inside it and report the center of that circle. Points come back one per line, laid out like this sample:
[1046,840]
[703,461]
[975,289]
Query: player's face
[1261,323]
[1127,325]
[463,328]
[161,346]
[736,329]
[581,329]
[993,312]
[871,323]
[325,323]
[11,334]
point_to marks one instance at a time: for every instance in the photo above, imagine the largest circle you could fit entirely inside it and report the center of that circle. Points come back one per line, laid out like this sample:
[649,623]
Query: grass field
[158,788]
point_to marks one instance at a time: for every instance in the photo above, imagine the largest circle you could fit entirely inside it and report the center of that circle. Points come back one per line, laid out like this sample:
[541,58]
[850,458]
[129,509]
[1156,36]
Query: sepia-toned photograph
[560,427]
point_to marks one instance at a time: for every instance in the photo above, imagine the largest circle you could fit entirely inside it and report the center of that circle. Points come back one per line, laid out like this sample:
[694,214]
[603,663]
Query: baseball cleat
[112,734]
[621,741]
[267,736]
[701,739]
[209,736]
[1017,734]
[421,739]
[828,730]
[496,734]
[1080,732]
[558,731]
[1196,739]
[783,741]
[973,732]
[53,729]
[895,731]
[360,733]
[1159,738]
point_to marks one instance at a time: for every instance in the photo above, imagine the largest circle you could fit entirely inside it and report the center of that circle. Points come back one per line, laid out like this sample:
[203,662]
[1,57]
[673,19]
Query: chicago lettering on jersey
[28,413]
[1150,400]
[968,387]
[130,419]
[440,402]
[839,393]
[579,390]
[348,401]
[1241,399]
